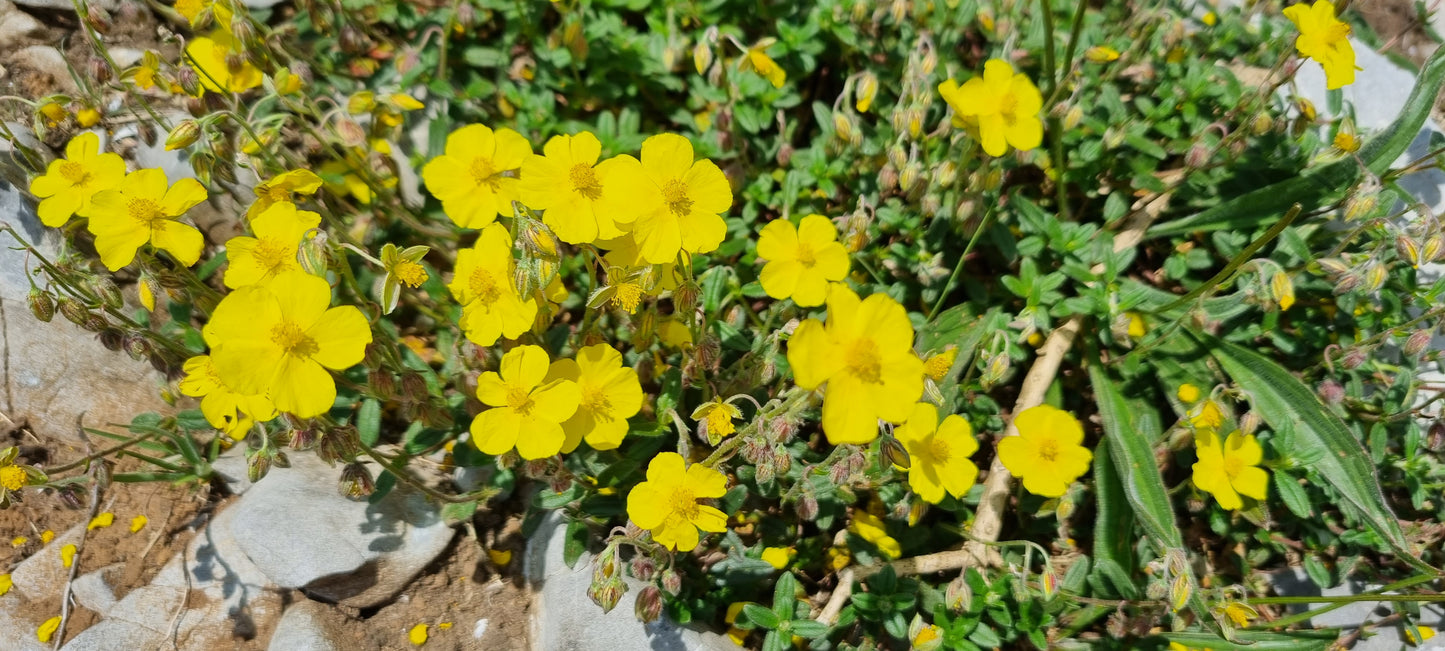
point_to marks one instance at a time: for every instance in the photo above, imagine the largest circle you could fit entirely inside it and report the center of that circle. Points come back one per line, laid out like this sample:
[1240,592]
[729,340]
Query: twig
[840,596]
[80,545]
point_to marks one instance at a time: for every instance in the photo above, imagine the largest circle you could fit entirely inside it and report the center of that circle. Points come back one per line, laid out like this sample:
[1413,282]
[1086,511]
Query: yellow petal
[417,636]
[101,521]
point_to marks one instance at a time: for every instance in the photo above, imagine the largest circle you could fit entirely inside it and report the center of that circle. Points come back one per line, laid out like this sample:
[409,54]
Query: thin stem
[958,267]
[1238,261]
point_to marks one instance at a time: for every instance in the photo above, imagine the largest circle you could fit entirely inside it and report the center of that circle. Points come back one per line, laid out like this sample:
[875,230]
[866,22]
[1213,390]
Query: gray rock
[563,617]
[42,575]
[13,170]
[126,57]
[114,634]
[1292,582]
[18,621]
[93,590]
[302,534]
[231,468]
[46,60]
[17,26]
[54,372]
[309,626]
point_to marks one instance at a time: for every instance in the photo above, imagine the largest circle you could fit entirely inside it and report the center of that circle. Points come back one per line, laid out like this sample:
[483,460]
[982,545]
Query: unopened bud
[202,163]
[1101,54]
[945,173]
[958,595]
[112,338]
[701,57]
[1375,276]
[413,387]
[1416,343]
[73,311]
[1431,249]
[888,177]
[1197,156]
[1073,117]
[383,383]
[137,347]
[685,298]
[1334,266]
[1408,249]
[105,289]
[258,464]
[649,604]
[1261,124]
[303,438]
[1249,423]
[313,254]
[1435,437]
[607,594]
[765,471]
[361,102]
[356,483]
[1306,109]
[350,132]
[807,507]
[894,452]
[898,156]
[866,90]
[96,323]
[1281,290]
[643,567]
[1331,392]
[843,126]
[1354,358]
[184,135]
[997,368]
[1180,591]
[42,305]
[338,444]
[911,177]
[671,581]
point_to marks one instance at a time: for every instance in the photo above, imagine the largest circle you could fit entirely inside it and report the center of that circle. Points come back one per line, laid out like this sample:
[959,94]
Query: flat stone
[564,618]
[53,372]
[48,61]
[1295,582]
[18,26]
[93,590]
[114,634]
[302,533]
[42,576]
[309,626]
[18,621]
[12,169]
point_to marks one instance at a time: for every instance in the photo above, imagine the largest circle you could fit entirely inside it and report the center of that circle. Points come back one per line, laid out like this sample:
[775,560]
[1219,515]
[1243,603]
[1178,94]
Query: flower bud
[1249,423]
[1334,266]
[649,604]
[1261,124]
[112,338]
[1281,290]
[105,289]
[888,177]
[866,91]
[958,595]
[338,444]
[643,567]
[97,323]
[945,173]
[383,383]
[1197,156]
[607,594]
[764,471]
[1416,343]
[897,156]
[350,132]
[997,368]
[1435,437]
[73,311]
[1408,249]
[314,254]
[190,83]
[701,57]
[202,163]
[184,135]
[137,347]
[843,126]
[685,299]
[807,507]
[42,305]
[356,483]
[1180,591]
[1331,392]
[1101,54]
[671,581]
[258,464]
[303,438]
[911,178]
[1375,276]
[1354,358]
[895,454]
[1346,283]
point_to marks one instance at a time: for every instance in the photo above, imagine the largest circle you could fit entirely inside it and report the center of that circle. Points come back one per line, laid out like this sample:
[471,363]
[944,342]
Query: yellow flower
[212,56]
[737,635]
[279,230]
[717,418]
[403,267]
[871,528]
[191,11]
[138,522]
[1188,393]
[12,477]
[500,557]
[938,453]
[758,61]
[282,188]
[928,637]
[483,285]
[101,521]
[279,339]
[54,114]
[5,584]
[778,557]
[666,504]
[145,75]
[224,409]
[468,178]
[1047,454]
[1207,415]
[528,409]
[839,558]
[87,117]
[47,629]
[1137,328]
[865,355]
[801,261]
[417,635]
[1002,105]
[1209,18]
[610,393]
[67,555]
[1425,633]
[581,200]
[69,183]
[1101,54]
[1240,613]
[1325,39]
[143,209]
[680,200]
[938,366]
[1226,470]
[672,332]
[1346,142]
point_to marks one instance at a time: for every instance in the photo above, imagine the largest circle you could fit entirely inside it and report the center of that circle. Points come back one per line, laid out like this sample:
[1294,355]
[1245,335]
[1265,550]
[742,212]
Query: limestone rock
[309,626]
[18,622]
[48,61]
[42,576]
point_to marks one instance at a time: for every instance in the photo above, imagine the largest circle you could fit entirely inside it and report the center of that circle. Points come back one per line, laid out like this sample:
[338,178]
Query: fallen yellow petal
[18,541]
[444,626]
[47,629]
[101,521]
[67,555]
[5,584]
[138,522]
[417,634]
[46,536]
[500,557]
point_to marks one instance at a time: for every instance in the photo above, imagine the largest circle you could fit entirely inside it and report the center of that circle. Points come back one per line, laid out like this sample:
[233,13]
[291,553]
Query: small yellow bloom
[67,555]
[871,528]
[405,102]
[864,354]
[46,536]
[667,503]
[801,261]
[717,417]
[939,453]
[1048,454]
[778,557]
[87,117]
[500,557]
[581,198]
[283,188]
[1207,415]
[279,231]
[610,394]
[147,297]
[417,635]
[1325,39]
[47,629]
[839,558]
[938,366]
[101,521]
[1137,328]
[484,286]
[1425,633]
[1002,106]
[758,61]
[12,477]
[929,637]
[468,178]
[145,209]
[1101,54]
[69,183]
[1188,393]
[212,57]
[224,409]
[54,113]
[1240,613]
[1210,18]
[138,522]
[679,199]
[673,333]
[737,635]
[1227,470]
[1346,142]
[528,409]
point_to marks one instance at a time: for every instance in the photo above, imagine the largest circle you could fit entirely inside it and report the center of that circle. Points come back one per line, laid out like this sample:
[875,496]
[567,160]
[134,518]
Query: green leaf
[1323,185]
[1113,525]
[368,421]
[1292,494]
[785,595]
[1258,641]
[1286,403]
[575,542]
[457,512]
[808,628]
[1133,458]
[761,616]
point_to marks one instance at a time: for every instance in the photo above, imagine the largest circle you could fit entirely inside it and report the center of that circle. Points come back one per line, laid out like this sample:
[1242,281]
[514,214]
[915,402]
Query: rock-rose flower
[1326,39]
[1230,469]
[1047,454]
[224,409]
[278,230]
[469,178]
[1001,105]
[683,197]
[484,286]
[144,209]
[528,409]
[580,198]
[667,503]
[938,453]
[68,183]
[610,394]
[802,260]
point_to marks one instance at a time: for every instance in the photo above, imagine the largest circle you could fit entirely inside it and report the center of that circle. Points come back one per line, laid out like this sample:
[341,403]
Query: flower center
[627,296]
[12,478]
[1008,104]
[674,192]
[145,212]
[585,183]
[939,450]
[1232,466]
[484,286]
[1049,450]
[293,340]
[863,360]
[75,173]
[719,422]
[273,255]
[684,504]
[595,401]
[410,273]
[520,401]
[482,171]
[806,255]
[278,194]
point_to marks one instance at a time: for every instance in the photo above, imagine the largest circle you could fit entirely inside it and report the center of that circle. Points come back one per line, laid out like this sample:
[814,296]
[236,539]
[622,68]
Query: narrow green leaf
[1258,641]
[1133,457]
[785,595]
[808,628]
[1292,495]
[575,542]
[368,421]
[1287,404]
[761,616]
[1113,524]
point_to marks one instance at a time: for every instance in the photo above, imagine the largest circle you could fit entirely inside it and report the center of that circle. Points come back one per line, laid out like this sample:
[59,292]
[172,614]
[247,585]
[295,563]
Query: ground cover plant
[912,324]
